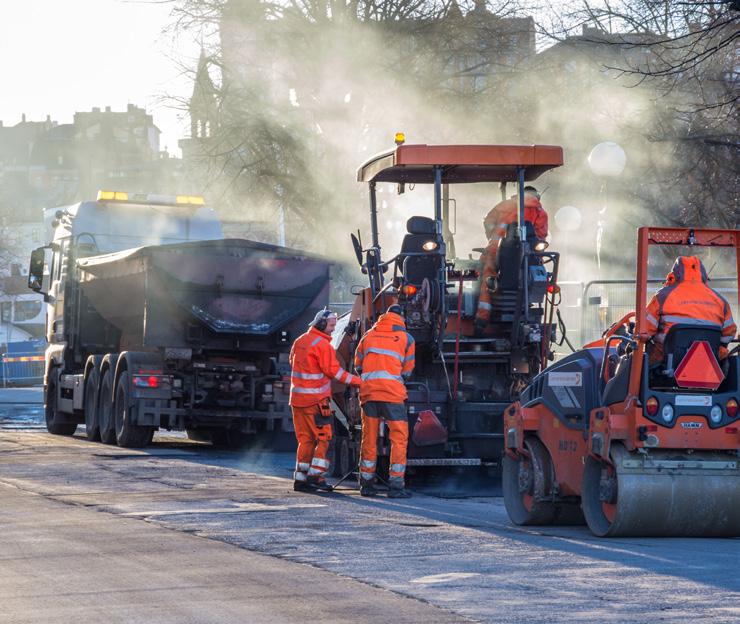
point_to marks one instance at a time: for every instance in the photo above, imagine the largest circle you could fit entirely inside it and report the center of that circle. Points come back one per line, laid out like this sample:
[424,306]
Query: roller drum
[663,493]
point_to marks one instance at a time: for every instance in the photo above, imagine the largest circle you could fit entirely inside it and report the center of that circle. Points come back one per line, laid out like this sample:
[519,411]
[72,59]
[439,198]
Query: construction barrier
[22,369]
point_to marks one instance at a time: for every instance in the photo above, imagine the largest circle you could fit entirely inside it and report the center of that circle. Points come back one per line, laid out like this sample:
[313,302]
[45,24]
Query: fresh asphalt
[181,532]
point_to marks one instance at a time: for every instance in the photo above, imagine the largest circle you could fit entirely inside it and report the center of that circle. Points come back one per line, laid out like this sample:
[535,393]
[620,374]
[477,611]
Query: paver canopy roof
[461,163]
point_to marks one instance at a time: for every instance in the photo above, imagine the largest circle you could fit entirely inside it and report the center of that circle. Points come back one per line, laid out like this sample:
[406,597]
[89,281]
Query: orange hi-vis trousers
[488,270]
[313,431]
[394,414]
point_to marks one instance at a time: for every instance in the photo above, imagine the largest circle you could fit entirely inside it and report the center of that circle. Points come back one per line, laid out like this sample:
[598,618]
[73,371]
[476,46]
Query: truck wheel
[106,425]
[92,426]
[128,434]
[342,460]
[54,422]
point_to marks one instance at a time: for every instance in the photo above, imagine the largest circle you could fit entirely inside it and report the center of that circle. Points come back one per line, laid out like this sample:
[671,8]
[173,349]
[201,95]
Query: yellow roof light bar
[143,198]
[193,200]
[112,196]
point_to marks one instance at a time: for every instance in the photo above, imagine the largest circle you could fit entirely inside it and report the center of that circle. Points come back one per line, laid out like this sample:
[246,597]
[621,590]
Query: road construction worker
[495,224]
[687,299]
[313,367]
[384,357]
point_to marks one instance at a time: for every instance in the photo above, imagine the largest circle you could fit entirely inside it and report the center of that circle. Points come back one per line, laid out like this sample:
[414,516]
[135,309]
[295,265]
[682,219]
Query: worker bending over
[313,367]
[495,224]
[384,356]
[687,299]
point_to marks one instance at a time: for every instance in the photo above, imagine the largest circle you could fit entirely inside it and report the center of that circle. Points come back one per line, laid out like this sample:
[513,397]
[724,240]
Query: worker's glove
[356,382]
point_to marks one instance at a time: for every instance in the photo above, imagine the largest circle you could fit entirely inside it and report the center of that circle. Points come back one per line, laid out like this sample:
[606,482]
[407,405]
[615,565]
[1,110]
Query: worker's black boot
[319,485]
[367,488]
[302,486]
[399,493]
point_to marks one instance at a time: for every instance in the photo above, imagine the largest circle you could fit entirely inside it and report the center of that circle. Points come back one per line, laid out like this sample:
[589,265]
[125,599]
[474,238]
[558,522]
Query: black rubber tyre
[92,426]
[128,434]
[341,460]
[524,480]
[106,424]
[54,422]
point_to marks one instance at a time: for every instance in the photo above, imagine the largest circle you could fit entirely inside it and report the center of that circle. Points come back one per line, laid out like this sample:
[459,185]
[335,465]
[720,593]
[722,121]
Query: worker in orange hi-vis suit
[687,299]
[495,224]
[314,365]
[384,356]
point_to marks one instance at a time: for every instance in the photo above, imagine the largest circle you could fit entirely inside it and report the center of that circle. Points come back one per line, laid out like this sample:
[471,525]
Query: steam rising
[306,98]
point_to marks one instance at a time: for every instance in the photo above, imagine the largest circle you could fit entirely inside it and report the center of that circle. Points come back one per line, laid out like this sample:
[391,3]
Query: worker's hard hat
[322,318]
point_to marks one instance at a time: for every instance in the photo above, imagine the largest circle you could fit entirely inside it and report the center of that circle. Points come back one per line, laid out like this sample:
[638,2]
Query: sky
[62,56]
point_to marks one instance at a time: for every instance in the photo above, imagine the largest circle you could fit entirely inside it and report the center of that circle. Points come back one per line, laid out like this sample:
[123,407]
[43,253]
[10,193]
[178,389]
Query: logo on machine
[565,379]
[691,425]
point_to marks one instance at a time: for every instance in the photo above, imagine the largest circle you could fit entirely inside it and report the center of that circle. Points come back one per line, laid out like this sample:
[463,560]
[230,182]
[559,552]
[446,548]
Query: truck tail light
[147,381]
[651,406]
[731,408]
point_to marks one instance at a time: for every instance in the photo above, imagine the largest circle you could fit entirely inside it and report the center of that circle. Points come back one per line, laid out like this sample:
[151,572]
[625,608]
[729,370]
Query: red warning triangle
[699,368]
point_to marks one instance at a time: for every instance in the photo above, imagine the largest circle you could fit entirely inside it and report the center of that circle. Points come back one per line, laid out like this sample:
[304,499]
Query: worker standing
[495,224]
[314,365]
[687,299]
[384,357]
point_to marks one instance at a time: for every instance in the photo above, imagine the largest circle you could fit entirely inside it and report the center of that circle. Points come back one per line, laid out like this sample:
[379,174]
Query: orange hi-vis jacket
[314,364]
[505,212]
[687,299]
[383,357]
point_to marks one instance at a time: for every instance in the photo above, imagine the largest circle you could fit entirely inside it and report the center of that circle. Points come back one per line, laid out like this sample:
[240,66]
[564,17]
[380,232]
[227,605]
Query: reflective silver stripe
[484,305]
[320,390]
[686,320]
[396,482]
[368,464]
[652,319]
[380,375]
[316,471]
[726,339]
[728,322]
[307,375]
[339,373]
[387,352]
[302,466]
[398,468]
[315,342]
[299,476]
[317,461]
[367,476]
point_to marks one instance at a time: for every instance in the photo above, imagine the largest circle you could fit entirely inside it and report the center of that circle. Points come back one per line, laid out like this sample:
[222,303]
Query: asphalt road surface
[181,532]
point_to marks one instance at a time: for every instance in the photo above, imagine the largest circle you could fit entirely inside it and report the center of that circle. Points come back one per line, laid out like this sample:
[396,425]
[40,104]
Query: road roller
[628,445]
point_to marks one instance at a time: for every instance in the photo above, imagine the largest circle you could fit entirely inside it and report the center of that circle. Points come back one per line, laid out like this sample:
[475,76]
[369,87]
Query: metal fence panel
[606,301]
[22,369]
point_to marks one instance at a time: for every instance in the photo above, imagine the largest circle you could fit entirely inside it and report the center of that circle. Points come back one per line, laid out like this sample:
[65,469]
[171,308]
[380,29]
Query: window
[6,312]
[26,310]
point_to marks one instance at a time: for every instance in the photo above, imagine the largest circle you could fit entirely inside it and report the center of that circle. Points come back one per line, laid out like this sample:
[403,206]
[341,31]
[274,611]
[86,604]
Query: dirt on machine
[154,320]
[629,446]
[465,377]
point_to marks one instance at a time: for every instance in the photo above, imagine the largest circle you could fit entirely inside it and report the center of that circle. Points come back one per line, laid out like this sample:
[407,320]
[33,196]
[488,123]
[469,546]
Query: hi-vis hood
[687,269]
[389,322]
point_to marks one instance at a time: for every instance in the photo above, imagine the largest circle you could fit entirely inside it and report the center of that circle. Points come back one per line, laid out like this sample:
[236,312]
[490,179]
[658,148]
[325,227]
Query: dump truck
[154,320]
[626,445]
